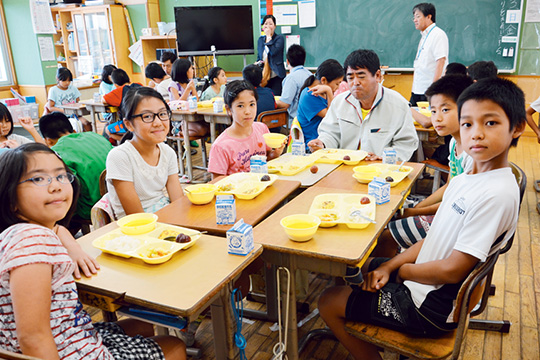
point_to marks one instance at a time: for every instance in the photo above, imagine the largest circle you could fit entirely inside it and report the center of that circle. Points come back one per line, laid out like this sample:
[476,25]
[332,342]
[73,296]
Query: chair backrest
[103,183]
[274,118]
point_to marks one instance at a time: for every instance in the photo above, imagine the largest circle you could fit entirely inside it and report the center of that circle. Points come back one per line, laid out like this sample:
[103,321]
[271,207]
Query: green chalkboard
[475,30]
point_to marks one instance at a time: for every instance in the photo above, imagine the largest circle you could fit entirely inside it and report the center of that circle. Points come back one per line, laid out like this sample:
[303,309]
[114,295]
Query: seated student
[64,93]
[316,96]
[215,84]
[232,150]
[455,68]
[42,315]
[167,59]
[155,73]
[415,291]
[85,155]
[292,84]
[10,140]
[482,70]
[266,101]
[369,116]
[122,85]
[415,221]
[141,168]
[106,86]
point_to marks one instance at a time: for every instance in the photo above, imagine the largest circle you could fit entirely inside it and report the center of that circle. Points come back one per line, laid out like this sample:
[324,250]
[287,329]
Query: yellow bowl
[200,194]
[425,112]
[274,140]
[300,227]
[137,224]
[423,104]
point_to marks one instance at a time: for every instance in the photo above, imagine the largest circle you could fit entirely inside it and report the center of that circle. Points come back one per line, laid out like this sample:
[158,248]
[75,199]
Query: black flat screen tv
[228,28]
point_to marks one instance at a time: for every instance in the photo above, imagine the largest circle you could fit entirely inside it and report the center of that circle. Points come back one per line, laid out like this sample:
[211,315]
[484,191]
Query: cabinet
[90,37]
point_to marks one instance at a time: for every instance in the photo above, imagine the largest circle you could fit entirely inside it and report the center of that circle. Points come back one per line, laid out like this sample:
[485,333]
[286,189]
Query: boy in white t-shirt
[415,291]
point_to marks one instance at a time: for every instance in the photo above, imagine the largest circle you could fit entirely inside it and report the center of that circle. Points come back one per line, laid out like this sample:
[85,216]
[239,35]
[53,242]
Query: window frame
[8,57]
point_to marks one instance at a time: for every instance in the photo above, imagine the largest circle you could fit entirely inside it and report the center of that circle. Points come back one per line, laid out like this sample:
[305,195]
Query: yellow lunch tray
[140,246]
[335,156]
[205,104]
[244,186]
[291,164]
[365,173]
[335,209]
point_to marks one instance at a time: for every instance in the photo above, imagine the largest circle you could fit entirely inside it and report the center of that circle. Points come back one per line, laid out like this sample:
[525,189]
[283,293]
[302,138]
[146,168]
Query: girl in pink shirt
[232,150]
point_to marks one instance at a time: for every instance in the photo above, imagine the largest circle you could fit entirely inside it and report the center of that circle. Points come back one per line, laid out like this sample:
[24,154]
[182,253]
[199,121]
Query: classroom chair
[101,213]
[447,346]
[439,169]
[274,118]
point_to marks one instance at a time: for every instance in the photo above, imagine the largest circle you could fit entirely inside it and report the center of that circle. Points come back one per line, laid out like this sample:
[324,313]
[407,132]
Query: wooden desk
[329,252]
[186,116]
[185,285]
[342,178]
[95,108]
[214,118]
[423,135]
[203,217]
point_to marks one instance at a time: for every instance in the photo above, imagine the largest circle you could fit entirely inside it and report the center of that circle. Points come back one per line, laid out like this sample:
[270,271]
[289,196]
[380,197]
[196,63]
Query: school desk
[184,286]
[213,118]
[423,135]
[329,252]
[74,109]
[203,217]
[342,178]
[95,108]
[306,177]
[186,116]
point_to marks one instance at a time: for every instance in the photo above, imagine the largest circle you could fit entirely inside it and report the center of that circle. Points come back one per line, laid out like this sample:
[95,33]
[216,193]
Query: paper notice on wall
[46,48]
[532,11]
[136,53]
[307,13]
[42,21]
[290,40]
[286,14]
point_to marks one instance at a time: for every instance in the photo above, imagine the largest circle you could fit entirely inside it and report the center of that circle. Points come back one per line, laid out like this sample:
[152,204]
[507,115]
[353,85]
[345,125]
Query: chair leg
[436,181]
[204,156]
[180,157]
[502,326]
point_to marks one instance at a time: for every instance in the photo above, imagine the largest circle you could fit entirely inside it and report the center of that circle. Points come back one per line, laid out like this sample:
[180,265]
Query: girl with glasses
[140,168]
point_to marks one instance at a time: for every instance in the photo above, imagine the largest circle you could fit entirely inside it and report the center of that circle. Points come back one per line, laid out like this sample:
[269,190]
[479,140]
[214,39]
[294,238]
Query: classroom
[269,179]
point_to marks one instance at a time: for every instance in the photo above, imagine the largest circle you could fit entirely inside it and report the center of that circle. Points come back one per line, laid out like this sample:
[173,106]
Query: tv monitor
[228,28]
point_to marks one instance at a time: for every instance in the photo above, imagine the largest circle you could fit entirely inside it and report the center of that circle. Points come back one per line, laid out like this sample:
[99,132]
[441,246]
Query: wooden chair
[497,325]
[439,169]
[8,355]
[274,118]
[99,216]
[446,346]
[103,182]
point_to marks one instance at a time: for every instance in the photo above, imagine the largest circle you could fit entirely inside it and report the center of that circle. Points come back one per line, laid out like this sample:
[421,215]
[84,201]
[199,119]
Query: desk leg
[187,146]
[94,124]
[212,131]
[223,325]
[292,328]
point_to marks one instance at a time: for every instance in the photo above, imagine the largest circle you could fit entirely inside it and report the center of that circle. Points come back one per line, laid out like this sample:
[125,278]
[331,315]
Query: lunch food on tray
[155,253]
[346,157]
[365,200]
[265,178]
[123,244]
[225,187]
[389,179]
[329,204]
[183,238]
[314,169]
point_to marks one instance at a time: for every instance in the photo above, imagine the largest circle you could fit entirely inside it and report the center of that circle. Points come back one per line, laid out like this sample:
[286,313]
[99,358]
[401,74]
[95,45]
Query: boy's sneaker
[353,275]
[194,143]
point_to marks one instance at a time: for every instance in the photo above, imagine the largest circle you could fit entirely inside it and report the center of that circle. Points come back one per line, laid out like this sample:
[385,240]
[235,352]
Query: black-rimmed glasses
[149,117]
[44,179]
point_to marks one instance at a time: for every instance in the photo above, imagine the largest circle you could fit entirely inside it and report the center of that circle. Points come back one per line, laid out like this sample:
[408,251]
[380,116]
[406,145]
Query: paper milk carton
[298,148]
[379,189]
[389,156]
[225,210]
[240,238]
[257,164]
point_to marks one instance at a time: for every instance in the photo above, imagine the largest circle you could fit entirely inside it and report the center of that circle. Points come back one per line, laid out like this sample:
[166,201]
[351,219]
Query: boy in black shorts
[414,292]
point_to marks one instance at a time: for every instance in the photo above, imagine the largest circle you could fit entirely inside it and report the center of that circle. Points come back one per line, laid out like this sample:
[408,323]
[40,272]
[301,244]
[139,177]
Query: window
[6,71]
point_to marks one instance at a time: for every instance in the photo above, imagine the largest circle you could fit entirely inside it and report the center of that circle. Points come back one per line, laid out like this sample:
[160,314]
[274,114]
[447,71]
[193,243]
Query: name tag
[375,130]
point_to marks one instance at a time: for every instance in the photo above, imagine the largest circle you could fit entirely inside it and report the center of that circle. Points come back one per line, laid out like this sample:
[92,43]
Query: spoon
[399,168]
[357,213]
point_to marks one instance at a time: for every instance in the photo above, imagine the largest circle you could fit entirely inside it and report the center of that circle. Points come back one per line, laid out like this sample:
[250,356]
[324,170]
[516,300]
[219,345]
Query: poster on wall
[42,20]
[307,13]
[286,14]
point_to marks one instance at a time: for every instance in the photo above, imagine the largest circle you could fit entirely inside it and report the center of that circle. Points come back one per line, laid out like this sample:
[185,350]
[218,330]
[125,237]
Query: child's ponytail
[212,74]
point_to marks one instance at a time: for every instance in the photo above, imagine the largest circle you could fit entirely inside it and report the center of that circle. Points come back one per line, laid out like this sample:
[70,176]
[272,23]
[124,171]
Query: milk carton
[257,164]
[225,210]
[380,190]
[240,238]
[298,148]
[389,156]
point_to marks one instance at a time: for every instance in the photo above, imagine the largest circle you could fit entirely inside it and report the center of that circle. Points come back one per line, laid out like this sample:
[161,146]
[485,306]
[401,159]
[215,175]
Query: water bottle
[192,103]
[97,97]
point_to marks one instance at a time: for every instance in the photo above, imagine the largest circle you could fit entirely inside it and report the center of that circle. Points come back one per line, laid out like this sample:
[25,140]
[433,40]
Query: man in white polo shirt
[432,53]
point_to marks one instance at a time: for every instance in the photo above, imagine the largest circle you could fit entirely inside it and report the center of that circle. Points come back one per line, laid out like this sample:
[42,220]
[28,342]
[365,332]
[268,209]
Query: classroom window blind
[6,73]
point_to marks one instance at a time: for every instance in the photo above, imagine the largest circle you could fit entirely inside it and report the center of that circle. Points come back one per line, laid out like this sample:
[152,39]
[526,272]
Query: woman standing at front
[270,48]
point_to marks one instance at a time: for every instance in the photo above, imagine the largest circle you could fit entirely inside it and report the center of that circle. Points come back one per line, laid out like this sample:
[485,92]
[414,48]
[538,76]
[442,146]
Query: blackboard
[475,30]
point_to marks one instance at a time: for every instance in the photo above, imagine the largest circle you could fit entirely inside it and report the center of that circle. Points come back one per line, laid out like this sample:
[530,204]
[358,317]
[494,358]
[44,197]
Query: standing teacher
[432,54]
[270,48]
